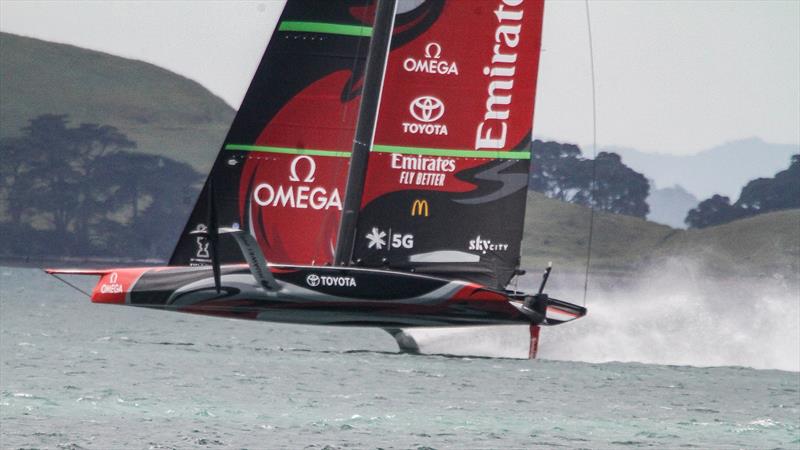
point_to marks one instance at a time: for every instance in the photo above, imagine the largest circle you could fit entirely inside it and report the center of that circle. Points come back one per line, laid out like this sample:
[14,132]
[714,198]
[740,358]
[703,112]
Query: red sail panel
[447,176]
[282,169]
[293,201]
[467,82]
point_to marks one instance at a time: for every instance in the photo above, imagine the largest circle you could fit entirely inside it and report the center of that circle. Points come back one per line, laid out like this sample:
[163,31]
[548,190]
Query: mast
[365,129]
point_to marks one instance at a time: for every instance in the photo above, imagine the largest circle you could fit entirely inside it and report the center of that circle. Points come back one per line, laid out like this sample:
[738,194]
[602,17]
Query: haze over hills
[163,112]
[670,205]
[724,169]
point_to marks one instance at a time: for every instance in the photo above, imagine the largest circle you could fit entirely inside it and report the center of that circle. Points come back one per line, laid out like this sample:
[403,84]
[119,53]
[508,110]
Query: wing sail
[447,176]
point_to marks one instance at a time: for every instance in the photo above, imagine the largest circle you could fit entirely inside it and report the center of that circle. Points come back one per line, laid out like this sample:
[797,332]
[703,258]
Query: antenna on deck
[213,235]
[545,276]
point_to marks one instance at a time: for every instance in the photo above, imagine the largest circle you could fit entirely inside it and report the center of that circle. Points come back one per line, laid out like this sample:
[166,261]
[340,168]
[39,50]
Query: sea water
[634,373]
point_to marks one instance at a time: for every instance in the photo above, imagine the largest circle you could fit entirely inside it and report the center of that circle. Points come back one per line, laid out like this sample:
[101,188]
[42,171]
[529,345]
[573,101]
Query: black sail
[281,170]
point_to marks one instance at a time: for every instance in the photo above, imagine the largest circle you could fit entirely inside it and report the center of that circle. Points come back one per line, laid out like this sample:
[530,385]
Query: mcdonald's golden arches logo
[420,208]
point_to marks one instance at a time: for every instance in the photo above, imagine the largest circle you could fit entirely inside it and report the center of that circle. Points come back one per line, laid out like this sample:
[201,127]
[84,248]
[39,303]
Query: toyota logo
[312,280]
[426,108]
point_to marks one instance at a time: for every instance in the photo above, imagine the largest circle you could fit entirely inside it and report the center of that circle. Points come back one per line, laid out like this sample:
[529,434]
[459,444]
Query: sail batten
[287,150]
[464,153]
[327,28]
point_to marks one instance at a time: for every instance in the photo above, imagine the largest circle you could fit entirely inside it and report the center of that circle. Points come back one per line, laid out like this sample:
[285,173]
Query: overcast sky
[673,77]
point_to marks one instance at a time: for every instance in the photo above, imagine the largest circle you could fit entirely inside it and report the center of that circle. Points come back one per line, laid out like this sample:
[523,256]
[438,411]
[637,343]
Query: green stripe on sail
[490,154]
[327,28]
[287,150]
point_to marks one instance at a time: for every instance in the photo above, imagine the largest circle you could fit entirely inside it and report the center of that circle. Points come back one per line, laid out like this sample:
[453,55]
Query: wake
[670,315]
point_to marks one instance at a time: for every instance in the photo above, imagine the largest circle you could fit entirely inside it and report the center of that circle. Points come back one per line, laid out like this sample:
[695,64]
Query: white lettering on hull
[315,280]
[111,287]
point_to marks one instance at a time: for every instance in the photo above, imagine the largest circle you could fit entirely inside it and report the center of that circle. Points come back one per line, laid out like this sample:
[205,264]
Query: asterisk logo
[376,239]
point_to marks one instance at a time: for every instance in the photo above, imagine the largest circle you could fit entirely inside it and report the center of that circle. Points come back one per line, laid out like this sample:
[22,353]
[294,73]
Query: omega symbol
[312,168]
[436,50]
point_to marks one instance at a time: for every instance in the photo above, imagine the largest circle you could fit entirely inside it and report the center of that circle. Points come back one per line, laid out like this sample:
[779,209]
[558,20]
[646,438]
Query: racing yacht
[375,175]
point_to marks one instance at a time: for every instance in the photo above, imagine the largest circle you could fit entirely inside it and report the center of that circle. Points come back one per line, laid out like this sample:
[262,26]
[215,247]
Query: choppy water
[77,375]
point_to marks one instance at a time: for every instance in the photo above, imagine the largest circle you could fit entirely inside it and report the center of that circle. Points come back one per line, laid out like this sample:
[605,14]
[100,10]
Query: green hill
[767,244]
[557,231]
[163,112]
[764,245]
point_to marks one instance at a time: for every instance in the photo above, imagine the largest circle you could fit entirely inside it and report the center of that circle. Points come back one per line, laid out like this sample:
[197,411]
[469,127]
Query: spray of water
[672,314]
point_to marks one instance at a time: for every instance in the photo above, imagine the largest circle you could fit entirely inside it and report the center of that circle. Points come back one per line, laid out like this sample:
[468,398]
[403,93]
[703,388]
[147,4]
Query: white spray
[670,315]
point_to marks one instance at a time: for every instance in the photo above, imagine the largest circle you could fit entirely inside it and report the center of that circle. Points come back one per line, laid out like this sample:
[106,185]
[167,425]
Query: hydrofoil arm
[254,257]
[544,310]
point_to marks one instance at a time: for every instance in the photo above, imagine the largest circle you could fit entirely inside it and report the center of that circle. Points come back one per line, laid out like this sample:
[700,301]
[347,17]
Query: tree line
[759,196]
[82,191]
[561,172]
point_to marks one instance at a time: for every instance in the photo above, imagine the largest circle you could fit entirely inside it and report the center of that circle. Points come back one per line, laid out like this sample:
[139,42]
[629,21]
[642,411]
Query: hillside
[767,244]
[764,245]
[163,112]
[558,232]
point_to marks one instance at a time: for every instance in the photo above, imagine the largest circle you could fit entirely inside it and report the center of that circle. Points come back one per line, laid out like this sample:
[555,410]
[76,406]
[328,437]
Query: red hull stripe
[287,150]
[78,271]
[561,311]
[489,154]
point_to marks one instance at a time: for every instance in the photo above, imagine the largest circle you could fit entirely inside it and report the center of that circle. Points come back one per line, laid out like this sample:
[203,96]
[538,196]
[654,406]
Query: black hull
[340,296]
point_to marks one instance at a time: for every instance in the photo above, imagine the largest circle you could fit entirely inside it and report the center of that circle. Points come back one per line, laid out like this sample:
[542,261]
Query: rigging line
[71,285]
[593,186]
